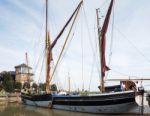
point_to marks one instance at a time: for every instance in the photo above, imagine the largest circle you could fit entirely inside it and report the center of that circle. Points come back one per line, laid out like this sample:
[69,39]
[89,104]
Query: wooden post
[141,90]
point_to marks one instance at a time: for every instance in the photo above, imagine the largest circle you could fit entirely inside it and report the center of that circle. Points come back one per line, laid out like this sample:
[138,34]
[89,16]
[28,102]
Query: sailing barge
[104,103]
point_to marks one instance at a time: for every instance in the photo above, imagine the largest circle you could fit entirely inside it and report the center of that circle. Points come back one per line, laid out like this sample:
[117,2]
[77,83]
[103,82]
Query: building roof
[22,65]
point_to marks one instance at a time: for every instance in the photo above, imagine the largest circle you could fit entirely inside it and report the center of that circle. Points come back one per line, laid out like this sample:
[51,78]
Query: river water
[16,109]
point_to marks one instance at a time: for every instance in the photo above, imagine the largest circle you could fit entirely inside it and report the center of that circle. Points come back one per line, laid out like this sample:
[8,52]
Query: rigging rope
[41,67]
[73,33]
[89,37]
[120,73]
[133,45]
[96,48]
[125,37]
[63,29]
[127,74]
[38,42]
[91,75]
[52,16]
[67,47]
[82,52]
[35,68]
[64,45]
[103,4]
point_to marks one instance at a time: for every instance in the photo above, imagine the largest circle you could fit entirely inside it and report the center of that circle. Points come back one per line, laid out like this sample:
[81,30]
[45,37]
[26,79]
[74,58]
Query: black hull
[111,103]
[40,97]
[99,100]
[96,100]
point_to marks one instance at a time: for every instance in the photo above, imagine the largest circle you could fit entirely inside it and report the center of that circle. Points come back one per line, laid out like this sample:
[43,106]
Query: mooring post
[141,92]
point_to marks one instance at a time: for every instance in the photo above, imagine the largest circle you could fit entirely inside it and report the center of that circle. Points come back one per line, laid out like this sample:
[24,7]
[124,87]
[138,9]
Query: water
[15,109]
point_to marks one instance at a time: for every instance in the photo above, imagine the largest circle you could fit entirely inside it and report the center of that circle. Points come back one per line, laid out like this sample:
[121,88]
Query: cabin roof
[23,65]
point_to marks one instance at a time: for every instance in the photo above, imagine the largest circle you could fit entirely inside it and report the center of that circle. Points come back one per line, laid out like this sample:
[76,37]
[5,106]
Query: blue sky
[22,30]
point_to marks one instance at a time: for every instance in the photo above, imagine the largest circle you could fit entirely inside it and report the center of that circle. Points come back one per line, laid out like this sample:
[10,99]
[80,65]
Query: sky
[22,24]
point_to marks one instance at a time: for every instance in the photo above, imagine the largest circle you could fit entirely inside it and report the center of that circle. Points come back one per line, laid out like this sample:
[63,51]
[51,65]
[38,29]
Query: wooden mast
[102,43]
[102,88]
[47,45]
[50,46]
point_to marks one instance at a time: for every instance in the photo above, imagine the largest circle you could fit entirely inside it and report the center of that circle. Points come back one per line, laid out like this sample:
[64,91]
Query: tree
[18,86]
[42,86]
[53,87]
[34,85]
[1,86]
[8,82]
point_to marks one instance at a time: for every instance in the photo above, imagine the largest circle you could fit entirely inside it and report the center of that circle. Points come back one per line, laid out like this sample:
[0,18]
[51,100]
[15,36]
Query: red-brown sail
[103,40]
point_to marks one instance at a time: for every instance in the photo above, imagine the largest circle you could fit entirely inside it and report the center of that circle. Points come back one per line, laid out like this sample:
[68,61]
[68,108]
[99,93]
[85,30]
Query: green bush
[8,83]
[53,87]
[35,86]
[42,86]
[18,86]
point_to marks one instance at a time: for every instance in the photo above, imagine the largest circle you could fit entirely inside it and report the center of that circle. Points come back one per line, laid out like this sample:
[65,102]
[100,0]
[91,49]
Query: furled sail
[103,40]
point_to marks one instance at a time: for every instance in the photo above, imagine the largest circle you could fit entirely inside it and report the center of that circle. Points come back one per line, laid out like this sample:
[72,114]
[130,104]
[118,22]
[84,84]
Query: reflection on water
[14,109]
